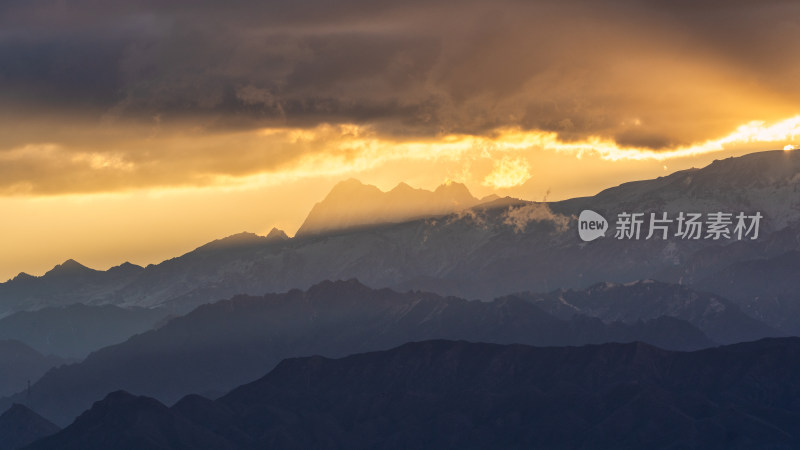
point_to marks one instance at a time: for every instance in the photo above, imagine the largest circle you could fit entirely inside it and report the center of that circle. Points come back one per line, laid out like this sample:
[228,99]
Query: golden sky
[138,130]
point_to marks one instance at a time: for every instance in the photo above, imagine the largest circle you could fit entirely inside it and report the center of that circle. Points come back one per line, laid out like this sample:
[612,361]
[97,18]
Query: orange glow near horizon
[139,132]
[149,224]
[351,150]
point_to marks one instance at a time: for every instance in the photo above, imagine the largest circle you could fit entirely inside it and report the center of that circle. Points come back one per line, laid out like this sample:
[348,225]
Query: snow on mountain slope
[490,249]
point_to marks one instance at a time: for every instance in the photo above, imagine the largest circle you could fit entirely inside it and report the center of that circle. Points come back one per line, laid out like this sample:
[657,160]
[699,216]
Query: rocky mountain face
[352,204]
[222,345]
[65,284]
[444,394]
[486,250]
[438,252]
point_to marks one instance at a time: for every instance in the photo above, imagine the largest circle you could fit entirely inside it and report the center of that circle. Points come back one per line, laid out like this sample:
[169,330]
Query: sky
[138,130]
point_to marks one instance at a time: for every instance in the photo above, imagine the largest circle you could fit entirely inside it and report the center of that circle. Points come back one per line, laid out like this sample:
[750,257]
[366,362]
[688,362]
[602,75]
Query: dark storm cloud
[645,73]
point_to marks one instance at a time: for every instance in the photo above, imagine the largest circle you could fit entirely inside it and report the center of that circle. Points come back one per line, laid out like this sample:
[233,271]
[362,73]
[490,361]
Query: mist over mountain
[127,422]
[76,330]
[444,394]
[767,181]
[352,204]
[20,364]
[221,345]
[719,318]
[19,426]
[678,294]
[65,284]
[767,288]
[484,251]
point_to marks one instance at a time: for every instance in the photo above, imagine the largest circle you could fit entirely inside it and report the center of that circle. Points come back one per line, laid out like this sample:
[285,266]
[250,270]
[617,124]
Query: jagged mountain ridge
[490,249]
[722,320]
[67,283]
[74,331]
[767,181]
[444,394]
[221,345]
[352,204]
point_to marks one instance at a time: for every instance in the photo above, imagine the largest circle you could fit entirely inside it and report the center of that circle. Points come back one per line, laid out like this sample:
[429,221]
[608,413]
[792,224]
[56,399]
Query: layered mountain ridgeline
[20,364]
[253,264]
[76,330]
[490,249]
[19,426]
[720,319]
[221,345]
[444,394]
[768,182]
[67,283]
[352,204]
[767,288]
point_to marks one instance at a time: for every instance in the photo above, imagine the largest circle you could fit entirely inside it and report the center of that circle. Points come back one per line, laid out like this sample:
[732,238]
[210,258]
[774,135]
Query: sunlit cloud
[508,173]
[352,149]
[238,105]
[498,159]
[752,132]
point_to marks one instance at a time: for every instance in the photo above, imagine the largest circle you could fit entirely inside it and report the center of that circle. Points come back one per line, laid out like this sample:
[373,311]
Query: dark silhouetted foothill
[461,395]
[19,426]
[225,344]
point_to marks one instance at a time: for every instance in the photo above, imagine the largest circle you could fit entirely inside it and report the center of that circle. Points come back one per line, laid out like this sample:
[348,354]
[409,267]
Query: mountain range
[720,319]
[76,330]
[20,365]
[766,288]
[202,324]
[445,394]
[222,345]
[352,204]
[19,426]
[481,249]
[65,284]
